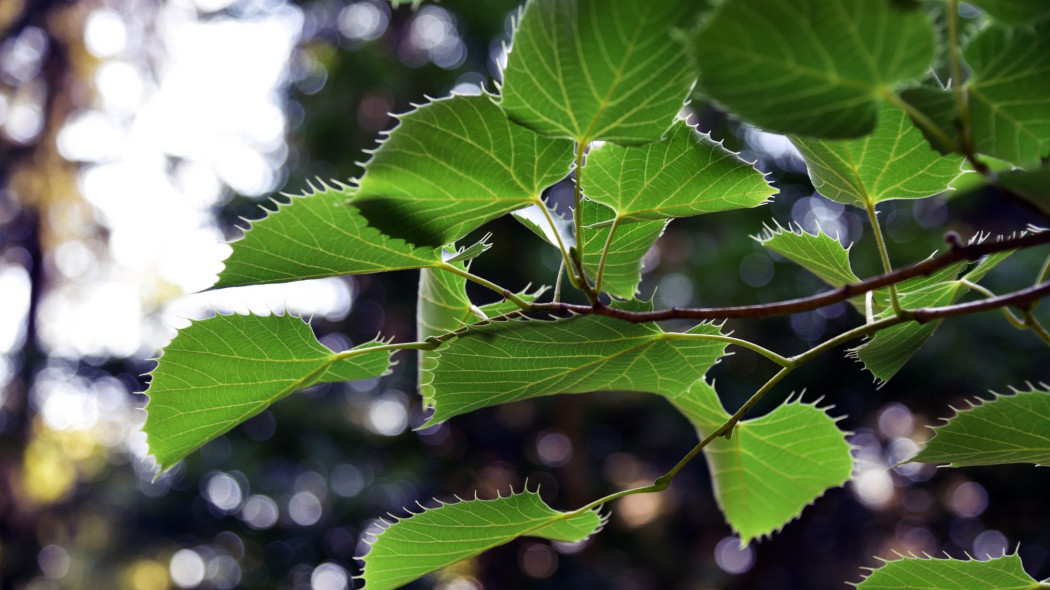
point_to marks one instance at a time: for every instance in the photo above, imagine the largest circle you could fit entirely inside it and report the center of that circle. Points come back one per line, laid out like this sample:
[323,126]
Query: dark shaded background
[79,508]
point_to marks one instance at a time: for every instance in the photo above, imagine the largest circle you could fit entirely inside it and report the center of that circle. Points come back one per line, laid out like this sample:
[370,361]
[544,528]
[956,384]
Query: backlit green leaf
[1008,429]
[1015,12]
[218,372]
[453,164]
[894,162]
[910,573]
[422,543]
[891,348]
[773,466]
[442,307]
[599,69]
[551,227]
[683,175]
[820,254]
[500,362]
[622,270]
[317,235]
[812,67]
[1010,93]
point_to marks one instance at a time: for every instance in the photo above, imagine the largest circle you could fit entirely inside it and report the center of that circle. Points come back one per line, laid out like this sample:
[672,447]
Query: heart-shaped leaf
[773,466]
[812,67]
[453,164]
[598,69]
[218,372]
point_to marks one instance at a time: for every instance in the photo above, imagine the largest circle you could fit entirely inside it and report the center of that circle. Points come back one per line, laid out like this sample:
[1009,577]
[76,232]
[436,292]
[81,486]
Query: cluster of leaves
[592,90]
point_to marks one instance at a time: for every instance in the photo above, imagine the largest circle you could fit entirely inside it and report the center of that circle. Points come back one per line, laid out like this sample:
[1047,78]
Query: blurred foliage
[78,511]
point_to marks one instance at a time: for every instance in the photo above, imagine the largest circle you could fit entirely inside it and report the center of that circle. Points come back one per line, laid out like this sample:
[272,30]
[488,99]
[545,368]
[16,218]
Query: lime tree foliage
[881,103]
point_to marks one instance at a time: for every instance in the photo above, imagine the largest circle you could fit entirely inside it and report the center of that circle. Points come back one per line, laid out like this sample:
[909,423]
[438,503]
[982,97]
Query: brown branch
[1023,299]
[957,252]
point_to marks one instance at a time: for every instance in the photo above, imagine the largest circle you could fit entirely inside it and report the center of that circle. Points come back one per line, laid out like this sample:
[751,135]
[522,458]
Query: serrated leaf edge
[603,518]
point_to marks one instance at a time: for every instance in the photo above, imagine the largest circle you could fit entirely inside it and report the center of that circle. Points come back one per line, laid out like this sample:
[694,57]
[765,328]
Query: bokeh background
[134,136]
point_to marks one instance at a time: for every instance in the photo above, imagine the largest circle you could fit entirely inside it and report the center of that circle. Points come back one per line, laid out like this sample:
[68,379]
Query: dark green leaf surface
[623,262]
[891,348]
[1033,186]
[1010,93]
[1015,12]
[812,67]
[937,104]
[499,362]
[1003,573]
[682,175]
[894,162]
[422,543]
[599,69]
[1008,429]
[317,235]
[820,254]
[218,372]
[773,466]
[453,164]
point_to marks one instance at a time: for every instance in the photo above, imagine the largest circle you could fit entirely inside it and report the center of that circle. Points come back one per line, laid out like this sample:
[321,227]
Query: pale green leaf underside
[425,542]
[442,306]
[453,164]
[811,67]
[820,254]
[501,362]
[1008,429]
[554,230]
[773,466]
[218,372]
[630,241]
[1002,573]
[317,235]
[894,162]
[682,175]
[1015,12]
[598,69]
[1010,93]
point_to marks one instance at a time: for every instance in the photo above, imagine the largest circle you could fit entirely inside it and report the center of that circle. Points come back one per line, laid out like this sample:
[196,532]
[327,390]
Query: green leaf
[1009,107]
[894,162]
[598,69]
[820,254]
[422,543]
[499,362]
[453,164]
[910,573]
[471,252]
[1032,186]
[218,372]
[891,348]
[555,230]
[442,306]
[316,235]
[630,241]
[812,67]
[773,466]
[683,175]
[1007,429]
[1015,12]
[938,105]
